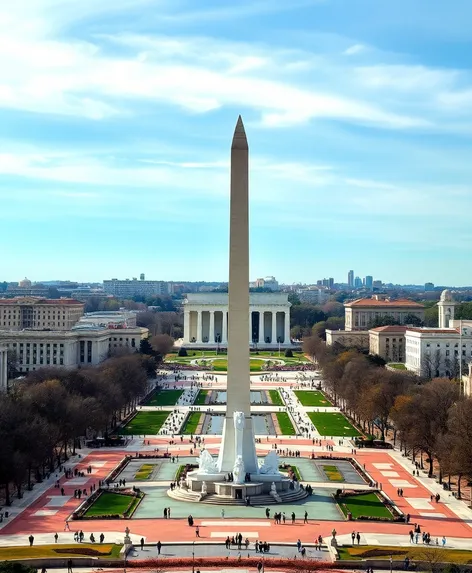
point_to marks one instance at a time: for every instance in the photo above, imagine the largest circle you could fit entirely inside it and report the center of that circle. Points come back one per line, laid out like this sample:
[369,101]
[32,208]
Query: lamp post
[193,557]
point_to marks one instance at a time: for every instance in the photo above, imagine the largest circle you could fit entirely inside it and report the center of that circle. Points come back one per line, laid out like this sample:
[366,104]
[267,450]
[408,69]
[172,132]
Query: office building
[360,314]
[350,279]
[37,313]
[132,287]
[369,282]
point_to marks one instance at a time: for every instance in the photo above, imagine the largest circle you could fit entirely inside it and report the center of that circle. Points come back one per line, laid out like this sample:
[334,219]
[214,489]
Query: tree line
[44,416]
[430,418]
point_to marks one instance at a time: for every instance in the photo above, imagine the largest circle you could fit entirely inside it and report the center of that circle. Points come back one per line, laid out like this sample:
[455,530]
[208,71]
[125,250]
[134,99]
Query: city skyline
[114,151]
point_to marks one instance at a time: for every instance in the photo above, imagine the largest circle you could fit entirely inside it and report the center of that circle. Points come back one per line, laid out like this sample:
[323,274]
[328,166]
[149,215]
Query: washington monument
[238,388]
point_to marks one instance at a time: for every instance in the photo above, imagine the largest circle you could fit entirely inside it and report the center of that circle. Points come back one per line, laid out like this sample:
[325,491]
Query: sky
[116,120]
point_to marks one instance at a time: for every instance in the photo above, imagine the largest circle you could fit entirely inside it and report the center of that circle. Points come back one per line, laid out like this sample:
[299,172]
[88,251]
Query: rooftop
[368,302]
[452,331]
[39,300]
[395,328]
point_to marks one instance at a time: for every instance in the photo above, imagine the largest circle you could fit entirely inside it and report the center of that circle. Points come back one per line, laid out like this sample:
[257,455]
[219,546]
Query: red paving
[178,530]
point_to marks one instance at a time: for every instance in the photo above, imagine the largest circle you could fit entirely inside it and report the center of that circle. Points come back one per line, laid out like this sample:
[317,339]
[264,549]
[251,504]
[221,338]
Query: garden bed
[100,551]
[144,472]
[110,505]
[144,423]
[191,423]
[333,473]
[367,506]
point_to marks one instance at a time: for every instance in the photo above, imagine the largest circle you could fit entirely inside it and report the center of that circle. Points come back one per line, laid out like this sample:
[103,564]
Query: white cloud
[354,50]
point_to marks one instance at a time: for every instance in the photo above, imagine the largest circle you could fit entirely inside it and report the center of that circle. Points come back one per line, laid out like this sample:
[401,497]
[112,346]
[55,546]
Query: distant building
[369,282]
[267,282]
[350,279]
[39,313]
[377,284]
[331,282]
[26,288]
[129,288]
[350,339]
[429,287]
[358,282]
[313,295]
[388,342]
[109,319]
[361,313]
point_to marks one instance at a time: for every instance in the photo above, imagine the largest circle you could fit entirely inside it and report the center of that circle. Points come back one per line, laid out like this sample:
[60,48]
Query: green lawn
[164,398]
[275,397]
[312,398]
[191,423]
[458,556]
[364,505]
[333,473]
[285,423]
[109,503]
[201,397]
[397,365]
[332,424]
[144,472]
[100,550]
[144,423]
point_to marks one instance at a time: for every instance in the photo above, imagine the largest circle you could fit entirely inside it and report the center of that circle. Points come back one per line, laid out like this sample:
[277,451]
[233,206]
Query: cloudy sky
[116,119]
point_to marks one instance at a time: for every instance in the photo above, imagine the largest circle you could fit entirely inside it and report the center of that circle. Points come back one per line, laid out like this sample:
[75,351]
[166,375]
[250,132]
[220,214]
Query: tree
[162,343]
[333,308]
[182,351]
[288,353]
[431,315]
[413,320]
[385,320]
[305,315]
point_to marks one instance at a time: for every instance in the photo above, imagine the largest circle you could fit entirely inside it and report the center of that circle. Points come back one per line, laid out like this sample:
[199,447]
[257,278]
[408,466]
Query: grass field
[333,473]
[275,397]
[105,550]
[332,424]
[191,423]
[109,503]
[312,398]
[164,398]
[399,553]
[144,423]
[201,397]
[285,423]
[144,472]
[363,505]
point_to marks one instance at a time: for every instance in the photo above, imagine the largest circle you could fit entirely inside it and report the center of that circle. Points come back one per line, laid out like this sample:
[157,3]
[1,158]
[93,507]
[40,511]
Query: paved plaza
[43,511]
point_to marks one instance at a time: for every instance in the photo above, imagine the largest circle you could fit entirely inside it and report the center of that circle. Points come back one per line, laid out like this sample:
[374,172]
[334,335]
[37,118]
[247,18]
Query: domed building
[25,283]
[446,306]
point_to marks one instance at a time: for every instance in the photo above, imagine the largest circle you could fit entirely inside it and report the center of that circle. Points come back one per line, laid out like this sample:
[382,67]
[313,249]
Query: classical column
[261,327]
[287,327]
[199,326]
[274,327]
[186,325]
[250,327]
[224,335]
[211,336]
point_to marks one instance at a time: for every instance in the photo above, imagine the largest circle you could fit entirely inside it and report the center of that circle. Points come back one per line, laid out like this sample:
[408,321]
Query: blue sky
[116,120]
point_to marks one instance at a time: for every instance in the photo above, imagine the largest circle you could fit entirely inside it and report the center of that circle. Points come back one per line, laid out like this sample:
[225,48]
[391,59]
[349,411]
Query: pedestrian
[197,531]
[168,512]
[142,543]
[102,538]
[353,537]
[222,514]
[31,540]
[305,519]
[165,512]
[158,547]
[358,537]
[293,517]
[56,537]
[444,541]
[69,566]
[66,526]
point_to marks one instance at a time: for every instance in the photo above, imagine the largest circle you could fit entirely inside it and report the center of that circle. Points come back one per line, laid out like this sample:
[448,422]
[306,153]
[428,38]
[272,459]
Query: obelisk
[238,387]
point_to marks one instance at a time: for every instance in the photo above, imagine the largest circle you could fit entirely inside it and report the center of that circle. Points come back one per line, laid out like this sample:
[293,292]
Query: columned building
[206,319]
[362,313]
[3,369]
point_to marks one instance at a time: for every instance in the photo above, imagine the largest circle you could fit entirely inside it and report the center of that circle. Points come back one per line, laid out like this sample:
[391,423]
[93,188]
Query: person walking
[158,547]
[197,531]
[142,543]
[222,514]
[305,519]
[66,525]
[102,538]
[31,540]
[293,517]
[353,537]
[56,537]
[358,537]
[69,566]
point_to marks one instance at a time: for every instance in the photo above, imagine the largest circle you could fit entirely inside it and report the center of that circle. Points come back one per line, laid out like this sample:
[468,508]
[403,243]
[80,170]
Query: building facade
[360,314]
[350,339]
[206,319]
[437,352]
[39,313]
[134,287]
[388,342]
[80,347]
[313,295]
[109,319]
[3,368]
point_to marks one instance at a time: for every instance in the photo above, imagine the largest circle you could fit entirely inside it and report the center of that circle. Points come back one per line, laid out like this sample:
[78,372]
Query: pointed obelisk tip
[239,137]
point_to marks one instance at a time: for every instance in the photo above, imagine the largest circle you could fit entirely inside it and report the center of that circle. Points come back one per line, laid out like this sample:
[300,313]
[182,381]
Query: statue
[182,483]
[204,487]
[239,423]
[206,463]
[127,540]
[273,488]
[238,470]
[270,464]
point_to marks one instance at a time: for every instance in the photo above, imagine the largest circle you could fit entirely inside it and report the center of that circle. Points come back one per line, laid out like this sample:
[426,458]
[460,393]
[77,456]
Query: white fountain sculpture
[270,465]
[238,469]
[206,463]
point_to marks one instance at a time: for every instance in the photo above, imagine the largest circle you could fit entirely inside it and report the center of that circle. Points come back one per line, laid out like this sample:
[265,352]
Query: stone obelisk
[238,388]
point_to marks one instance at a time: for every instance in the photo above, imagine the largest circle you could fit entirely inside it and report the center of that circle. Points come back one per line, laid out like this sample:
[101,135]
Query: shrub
[15,567]
[182,352]
[288,353]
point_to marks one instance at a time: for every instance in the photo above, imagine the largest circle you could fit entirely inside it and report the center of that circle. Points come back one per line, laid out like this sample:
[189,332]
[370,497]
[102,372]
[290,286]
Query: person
[165,512]
[197,531]
[407,563]
[158,546]
[66,526]
[142,543]
[44,570]
[222,514]
[69,565]
[305,520]
[102,538]
[293,517]
[259,567]
[299,545]
[31,540]
[358,537]
[444,541]
[56,537]
[353,537]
